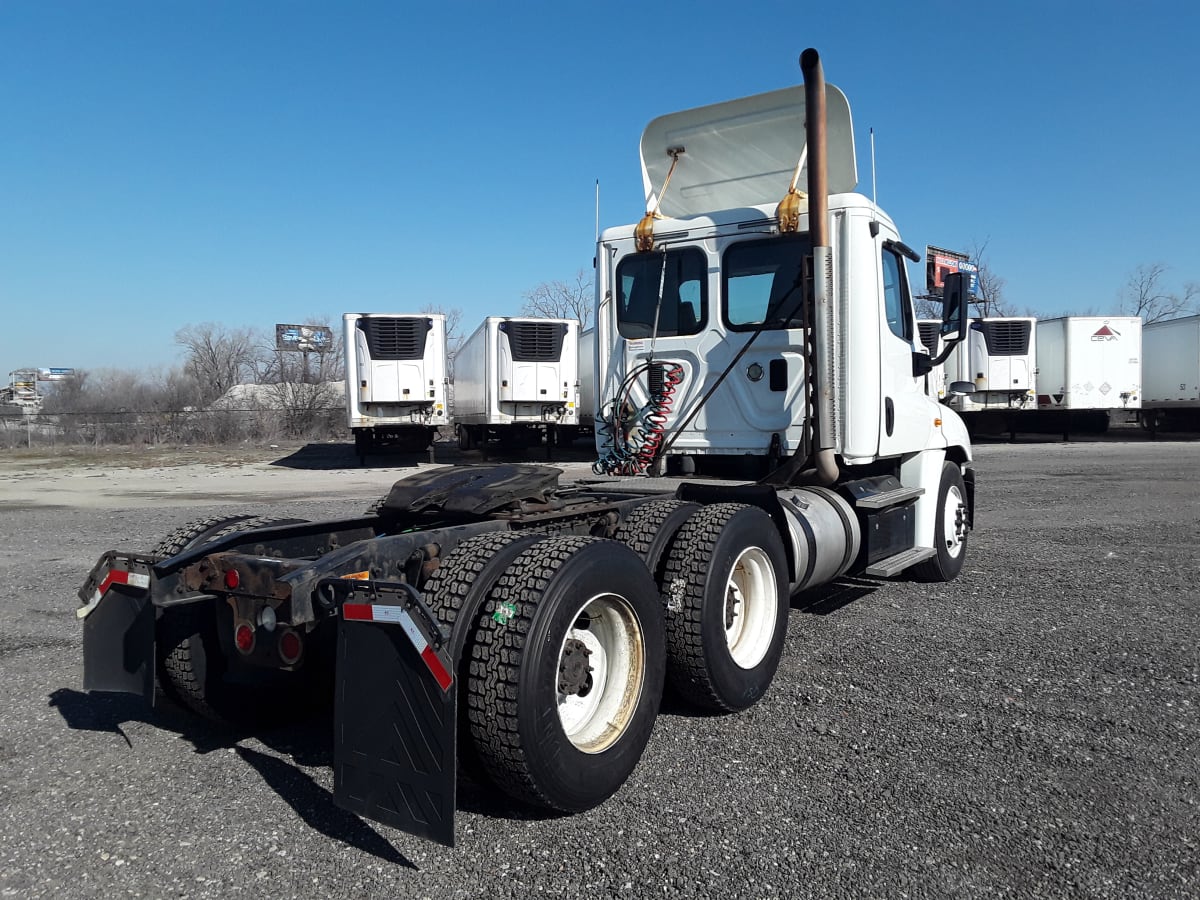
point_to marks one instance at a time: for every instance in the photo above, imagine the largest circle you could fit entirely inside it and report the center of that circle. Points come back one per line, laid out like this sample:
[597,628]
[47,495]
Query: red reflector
[232,579]
[290,647]
[243,636]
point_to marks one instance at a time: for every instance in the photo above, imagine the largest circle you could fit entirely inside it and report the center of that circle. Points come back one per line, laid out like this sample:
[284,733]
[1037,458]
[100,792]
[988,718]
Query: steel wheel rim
[751,607]
[594,719]
[954,522]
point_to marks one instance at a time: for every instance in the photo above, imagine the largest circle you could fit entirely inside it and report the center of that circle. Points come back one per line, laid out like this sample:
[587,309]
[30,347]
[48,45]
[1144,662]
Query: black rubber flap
[394,732]
[118,644]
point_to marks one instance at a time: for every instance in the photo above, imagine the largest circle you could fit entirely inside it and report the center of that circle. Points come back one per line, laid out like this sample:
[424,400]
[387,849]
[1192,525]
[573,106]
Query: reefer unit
[516,377]
[1171,371]
[395,379]
[930,333]
[1089,362]
[999,358]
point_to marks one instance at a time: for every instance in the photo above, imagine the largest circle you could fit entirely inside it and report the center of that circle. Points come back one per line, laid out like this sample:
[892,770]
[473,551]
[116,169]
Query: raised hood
[742,152]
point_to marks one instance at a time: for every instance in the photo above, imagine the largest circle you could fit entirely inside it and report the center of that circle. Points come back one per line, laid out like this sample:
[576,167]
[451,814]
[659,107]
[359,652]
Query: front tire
[950,529]
[725,593]
[567,673]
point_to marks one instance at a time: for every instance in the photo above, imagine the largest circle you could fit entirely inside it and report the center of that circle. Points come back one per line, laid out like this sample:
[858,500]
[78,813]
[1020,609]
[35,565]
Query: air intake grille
[929,335]
[395,338]
[1006,338]
[535,341]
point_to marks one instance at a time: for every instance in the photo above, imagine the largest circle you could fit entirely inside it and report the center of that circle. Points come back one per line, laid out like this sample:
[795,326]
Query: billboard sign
[305,338]
[939,263]
[54,374]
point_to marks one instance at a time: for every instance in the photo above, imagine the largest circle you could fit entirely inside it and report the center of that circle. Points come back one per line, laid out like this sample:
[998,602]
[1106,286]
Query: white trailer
[1171,373]
[587,380]
[999,358]
[516,378]
[395,379]
[1088,367]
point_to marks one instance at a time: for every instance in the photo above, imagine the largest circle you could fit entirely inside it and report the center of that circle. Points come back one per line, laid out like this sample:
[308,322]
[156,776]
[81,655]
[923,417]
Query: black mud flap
[118,644]
[118,625]
[395,715]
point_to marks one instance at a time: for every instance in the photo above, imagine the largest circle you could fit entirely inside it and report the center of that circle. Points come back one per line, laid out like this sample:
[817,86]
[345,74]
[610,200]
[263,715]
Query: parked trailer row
[516,380]
[494,617]
[1062,374]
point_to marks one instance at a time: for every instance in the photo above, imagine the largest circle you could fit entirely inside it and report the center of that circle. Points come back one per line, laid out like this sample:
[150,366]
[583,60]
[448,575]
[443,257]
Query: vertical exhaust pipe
[818,227]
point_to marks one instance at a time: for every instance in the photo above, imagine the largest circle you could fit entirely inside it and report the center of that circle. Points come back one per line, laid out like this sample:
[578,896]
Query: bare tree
[562,300]
[454,324]
[1144,295]
[300,384]
[217,357]
[989,287]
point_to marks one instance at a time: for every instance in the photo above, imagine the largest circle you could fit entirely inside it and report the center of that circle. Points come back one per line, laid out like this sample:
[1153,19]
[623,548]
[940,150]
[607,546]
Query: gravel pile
[1029,730]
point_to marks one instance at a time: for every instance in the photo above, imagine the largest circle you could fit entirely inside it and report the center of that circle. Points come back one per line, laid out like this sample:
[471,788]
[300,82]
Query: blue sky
[165,163]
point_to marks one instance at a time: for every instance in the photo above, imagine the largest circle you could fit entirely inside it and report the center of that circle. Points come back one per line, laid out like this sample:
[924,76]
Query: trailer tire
[650,529]
[458,588]
[563,691]
[466,441]
[949,529]
[724,589]
[193,668]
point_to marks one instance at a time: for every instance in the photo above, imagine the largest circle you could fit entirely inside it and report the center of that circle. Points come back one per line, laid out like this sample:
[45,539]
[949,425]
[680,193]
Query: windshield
[764,283]
[683,277]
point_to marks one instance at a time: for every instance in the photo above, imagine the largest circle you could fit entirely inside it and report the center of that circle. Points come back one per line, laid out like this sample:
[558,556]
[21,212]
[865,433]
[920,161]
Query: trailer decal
[398,615]
[114,576]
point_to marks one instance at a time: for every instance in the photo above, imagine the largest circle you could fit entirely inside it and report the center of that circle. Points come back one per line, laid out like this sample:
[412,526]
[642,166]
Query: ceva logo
[1105,333]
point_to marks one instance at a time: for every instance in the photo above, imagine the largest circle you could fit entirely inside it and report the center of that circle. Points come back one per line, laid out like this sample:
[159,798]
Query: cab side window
[895,296]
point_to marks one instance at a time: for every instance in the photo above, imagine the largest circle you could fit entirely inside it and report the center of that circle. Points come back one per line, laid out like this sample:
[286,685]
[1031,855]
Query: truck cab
[724,274]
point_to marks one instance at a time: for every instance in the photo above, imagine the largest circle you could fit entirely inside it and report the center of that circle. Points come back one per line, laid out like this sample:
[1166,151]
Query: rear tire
[567,672]
[652,527]
[725,593]
[193,668]
[459,587]
[949,529]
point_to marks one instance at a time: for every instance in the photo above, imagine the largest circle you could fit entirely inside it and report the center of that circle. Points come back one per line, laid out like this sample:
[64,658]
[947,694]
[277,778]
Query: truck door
[905,414]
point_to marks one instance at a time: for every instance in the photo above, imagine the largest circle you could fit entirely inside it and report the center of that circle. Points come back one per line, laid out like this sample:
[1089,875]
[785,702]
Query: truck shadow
[829,598]
[308,743]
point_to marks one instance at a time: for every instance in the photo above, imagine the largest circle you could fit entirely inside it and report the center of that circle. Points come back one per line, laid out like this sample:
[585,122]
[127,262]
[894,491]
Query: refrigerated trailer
[395,379]
[516,380]
[1171,373]
[1088,367]
[525,627]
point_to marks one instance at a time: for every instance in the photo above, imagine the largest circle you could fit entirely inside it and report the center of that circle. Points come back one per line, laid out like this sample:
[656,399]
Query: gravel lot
[1029,730]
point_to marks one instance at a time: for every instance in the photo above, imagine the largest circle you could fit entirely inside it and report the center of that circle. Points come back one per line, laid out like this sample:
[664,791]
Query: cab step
[886,568]
[888,498]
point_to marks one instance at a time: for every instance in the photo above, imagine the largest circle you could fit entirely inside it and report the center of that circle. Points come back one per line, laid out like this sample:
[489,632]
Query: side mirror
[960,388]
[954,313]
[954,307]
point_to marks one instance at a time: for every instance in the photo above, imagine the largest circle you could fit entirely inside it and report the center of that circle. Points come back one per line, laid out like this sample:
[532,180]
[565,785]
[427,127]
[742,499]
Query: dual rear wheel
[561,675]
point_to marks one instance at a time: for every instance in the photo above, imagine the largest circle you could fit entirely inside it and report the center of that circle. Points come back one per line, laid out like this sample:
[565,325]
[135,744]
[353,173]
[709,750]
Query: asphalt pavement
[1030,730]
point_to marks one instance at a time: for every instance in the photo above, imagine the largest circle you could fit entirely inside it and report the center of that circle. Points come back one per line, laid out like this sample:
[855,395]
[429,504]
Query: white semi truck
[395,379]
[1171,373]
[491,615]
[516,379]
